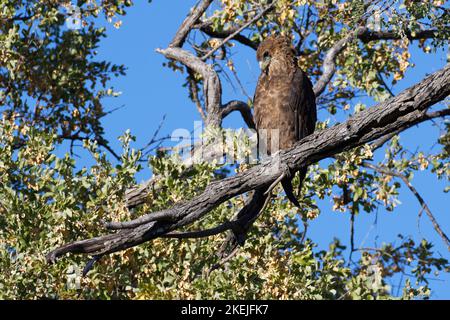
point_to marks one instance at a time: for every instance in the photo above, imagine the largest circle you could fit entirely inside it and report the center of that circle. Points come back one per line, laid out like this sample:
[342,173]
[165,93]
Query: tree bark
[403,111]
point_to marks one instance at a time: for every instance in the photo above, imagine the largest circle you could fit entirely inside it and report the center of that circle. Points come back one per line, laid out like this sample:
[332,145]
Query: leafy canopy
[52,88]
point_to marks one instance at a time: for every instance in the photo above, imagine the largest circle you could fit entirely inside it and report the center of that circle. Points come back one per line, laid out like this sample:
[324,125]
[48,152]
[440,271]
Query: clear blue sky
[150,91]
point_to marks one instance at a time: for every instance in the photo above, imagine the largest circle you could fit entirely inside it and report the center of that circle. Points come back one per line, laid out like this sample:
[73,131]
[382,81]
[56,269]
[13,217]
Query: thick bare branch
[212,88]
[404,110]
[370,35]
[187,24]
[243,108]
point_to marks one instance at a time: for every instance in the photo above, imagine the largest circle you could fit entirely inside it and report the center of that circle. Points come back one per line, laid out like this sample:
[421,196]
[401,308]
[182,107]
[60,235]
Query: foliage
[52,88]
[45,202]
[49,76]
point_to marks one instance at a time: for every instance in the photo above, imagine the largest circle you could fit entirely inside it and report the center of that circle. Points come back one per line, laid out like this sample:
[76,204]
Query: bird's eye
[266,54]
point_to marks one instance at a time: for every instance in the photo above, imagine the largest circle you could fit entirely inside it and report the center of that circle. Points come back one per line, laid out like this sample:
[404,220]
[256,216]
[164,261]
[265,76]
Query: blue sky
[150,91]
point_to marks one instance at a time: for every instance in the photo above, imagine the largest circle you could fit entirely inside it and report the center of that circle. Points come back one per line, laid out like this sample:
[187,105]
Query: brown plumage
[284,100]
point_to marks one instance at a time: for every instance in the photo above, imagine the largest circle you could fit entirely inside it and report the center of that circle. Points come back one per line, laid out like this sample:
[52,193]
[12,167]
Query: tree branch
[194,94]
[422,202]
[186,26]
[206,28]
[370,35]
[329,63]
[245,25]
[365,35]
[243,108]
[406,109]
[212,87]
[431,115]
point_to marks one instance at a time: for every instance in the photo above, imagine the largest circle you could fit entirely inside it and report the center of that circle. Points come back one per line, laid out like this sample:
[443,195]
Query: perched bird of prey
[284,101]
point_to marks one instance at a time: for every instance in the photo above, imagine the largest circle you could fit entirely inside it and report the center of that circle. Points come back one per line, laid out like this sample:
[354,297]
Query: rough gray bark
[186,26]
[376,124]
[403,111]
[137,195]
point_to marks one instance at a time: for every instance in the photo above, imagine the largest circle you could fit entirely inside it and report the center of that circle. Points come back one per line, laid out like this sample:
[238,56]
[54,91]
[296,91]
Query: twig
[422,202]
[222,261]
[155,134]
[305,230]
[244,92]
[245,25]
[352,233]
[385,85]
[329,63]
[194,94]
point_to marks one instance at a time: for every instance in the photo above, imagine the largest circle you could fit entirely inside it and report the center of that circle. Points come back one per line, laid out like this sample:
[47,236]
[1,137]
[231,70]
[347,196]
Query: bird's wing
[303,103]
[260,93]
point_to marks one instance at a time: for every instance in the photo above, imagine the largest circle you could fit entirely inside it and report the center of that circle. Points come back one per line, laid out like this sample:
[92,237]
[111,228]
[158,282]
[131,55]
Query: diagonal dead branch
[252,209]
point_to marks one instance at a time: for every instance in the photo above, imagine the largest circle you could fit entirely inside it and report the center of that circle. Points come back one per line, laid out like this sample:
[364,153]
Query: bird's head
[272,47]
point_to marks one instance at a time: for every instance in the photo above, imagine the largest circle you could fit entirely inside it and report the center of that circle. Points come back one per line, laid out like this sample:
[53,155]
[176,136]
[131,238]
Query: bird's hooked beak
[264,63]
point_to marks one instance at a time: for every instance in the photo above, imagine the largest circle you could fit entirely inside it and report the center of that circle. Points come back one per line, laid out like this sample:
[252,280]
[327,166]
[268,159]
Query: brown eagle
[284,101]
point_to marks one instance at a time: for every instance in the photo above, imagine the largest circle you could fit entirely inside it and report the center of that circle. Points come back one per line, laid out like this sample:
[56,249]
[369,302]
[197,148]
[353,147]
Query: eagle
[284,102]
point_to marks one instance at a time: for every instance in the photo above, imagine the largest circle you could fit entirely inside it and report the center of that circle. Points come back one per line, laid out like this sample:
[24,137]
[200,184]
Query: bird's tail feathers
[302,175]
[289,189]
